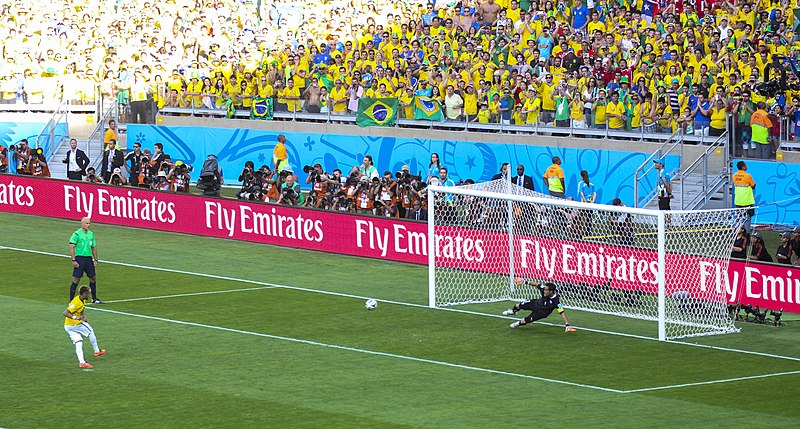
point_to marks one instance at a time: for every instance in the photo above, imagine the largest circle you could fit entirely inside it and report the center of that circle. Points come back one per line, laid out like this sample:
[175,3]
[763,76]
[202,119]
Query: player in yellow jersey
[77,326]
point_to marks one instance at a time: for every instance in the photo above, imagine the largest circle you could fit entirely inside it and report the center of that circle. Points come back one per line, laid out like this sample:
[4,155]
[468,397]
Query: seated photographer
[3,159]
[37,166]
[366,192]
[319,188]
[269,185]
[345,199]
[179,177]
[145,177]
[249,182]
[407,188]
[91,176]
[22,154]
[387,197]
[290,193]
[117,178]
[161,182]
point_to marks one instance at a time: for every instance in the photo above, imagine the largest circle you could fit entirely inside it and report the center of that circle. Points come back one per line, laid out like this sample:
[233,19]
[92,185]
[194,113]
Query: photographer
[251,185]
[116,178]
[22,154]
[37,166]
[407,189]
[345,199]
[92,177]
[162,181]
[269,185]
[3,159]
[145,177]
[290,193]
[180,178]
[320,184]
[366,191]
[386,198]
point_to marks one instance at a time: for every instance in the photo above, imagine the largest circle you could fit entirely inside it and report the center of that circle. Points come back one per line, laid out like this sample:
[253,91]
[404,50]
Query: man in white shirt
[76,161]
[453,104]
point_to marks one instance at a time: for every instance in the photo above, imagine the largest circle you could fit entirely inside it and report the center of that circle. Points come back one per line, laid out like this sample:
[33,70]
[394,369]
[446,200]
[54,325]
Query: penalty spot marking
[408,304]
[357,350]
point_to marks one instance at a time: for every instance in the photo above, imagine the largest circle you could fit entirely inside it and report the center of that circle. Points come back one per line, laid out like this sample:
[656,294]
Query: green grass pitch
[207,332]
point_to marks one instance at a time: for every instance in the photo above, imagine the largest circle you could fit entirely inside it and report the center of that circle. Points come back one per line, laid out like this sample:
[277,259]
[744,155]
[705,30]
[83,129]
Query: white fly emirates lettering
[781,287]
[595,263]
[270,224]
[15,195]
[403,241]
[127,206]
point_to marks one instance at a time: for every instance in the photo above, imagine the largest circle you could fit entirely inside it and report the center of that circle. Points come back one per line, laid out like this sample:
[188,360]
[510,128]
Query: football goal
[664,267]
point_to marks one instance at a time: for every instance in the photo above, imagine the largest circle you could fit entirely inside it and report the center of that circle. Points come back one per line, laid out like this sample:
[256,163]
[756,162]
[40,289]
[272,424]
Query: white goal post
[663,266]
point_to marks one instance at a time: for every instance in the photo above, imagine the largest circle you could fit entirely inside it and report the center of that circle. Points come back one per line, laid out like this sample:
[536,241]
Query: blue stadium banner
[377,111]
[428,109]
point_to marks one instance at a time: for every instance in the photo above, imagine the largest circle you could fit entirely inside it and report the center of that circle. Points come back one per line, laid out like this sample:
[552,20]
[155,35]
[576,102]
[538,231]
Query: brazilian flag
[377,111]
[261,108]
[230,110]
[428,108]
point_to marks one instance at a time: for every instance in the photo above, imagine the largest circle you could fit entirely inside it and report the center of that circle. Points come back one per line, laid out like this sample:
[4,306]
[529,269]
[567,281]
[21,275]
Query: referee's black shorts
[85,265]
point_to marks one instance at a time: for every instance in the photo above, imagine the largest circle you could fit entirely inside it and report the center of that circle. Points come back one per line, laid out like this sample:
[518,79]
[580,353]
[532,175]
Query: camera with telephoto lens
[181,168]
[313,174]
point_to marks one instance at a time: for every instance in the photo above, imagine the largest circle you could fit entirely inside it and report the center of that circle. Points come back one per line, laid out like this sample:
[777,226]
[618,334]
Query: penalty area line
[181,295]
[357,350]
[704,383]
[407,304]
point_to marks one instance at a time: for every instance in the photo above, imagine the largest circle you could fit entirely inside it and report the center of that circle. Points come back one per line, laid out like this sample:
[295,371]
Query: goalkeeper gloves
[568,328]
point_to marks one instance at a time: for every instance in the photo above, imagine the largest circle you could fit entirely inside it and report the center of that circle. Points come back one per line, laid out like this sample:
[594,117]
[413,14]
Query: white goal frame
[661,223]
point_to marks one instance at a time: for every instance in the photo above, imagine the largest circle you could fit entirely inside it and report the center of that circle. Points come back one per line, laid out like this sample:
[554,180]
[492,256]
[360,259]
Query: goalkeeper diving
[539,308]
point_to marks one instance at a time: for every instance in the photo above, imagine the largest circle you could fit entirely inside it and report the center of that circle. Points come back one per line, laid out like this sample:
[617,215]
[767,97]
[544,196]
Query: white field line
[357,350]
[180,295]
[703,383]
[408,304]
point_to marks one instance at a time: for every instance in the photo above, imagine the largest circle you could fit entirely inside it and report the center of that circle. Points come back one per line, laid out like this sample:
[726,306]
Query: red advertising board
[767,285]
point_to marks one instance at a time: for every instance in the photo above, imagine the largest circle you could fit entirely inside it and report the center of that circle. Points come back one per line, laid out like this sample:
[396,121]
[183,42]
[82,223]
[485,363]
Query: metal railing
[710,185]
[98,134]
[673,143]
[466,124]
[49,139]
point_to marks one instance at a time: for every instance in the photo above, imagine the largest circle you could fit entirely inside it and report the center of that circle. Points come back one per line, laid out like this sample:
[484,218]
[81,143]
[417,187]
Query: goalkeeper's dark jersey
[544,306]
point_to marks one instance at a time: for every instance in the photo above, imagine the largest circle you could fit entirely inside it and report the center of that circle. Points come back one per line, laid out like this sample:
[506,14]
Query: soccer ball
[371,304]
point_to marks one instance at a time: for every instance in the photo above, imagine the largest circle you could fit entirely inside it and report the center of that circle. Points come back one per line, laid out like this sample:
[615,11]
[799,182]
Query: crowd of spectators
[667,66]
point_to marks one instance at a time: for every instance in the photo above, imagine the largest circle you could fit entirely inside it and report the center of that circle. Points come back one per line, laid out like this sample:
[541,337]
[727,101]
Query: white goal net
[666,267]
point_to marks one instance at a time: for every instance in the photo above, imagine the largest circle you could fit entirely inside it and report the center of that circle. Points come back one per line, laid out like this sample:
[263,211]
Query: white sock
[93,340]
[79,351]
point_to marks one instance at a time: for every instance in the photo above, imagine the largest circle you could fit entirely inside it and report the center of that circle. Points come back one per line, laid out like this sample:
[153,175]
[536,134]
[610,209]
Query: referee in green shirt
[83,251]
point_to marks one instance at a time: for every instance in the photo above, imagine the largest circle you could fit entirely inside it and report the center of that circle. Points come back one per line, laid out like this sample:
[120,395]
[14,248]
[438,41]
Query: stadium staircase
[699,183]
[92,145]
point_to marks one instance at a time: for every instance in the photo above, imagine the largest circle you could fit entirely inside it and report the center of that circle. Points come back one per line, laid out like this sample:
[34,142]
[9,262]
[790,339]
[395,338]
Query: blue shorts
[85,265]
